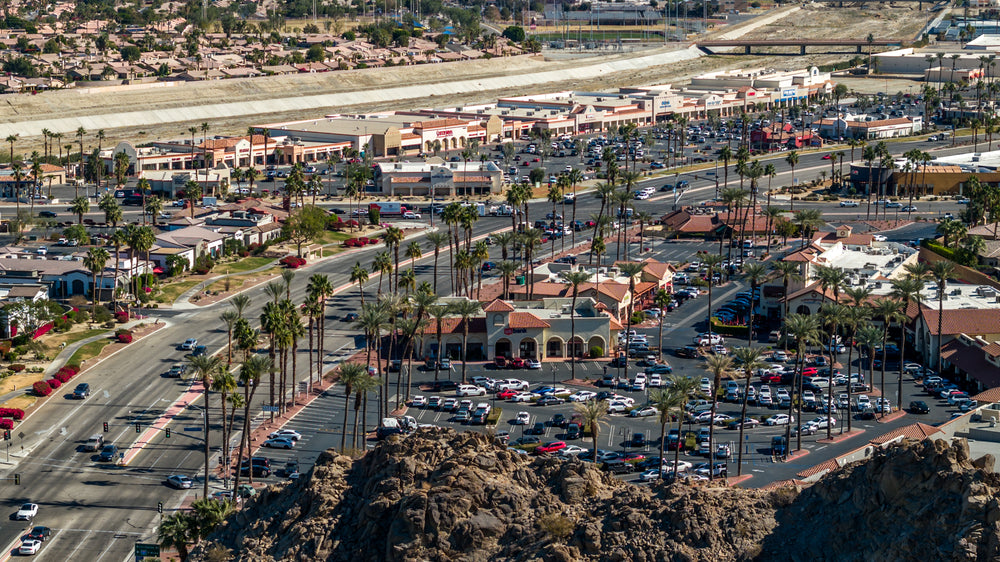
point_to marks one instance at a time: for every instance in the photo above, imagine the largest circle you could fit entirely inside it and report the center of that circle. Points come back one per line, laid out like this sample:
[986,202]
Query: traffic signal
[105,427]
[167,431]
[159,507]
[6,435]
[138,427]
[17,479]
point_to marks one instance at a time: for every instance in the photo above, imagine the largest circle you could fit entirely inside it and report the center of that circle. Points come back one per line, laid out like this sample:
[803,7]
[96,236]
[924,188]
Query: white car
[27,512]
[29,547]
[618,407]
[470,390]
[533,364]
[511,384]
[553,390]
[572,450]
[581,396]
[705,339]
[524,397]
[522,418]
[643,412]
[286,434]
[780,419]
[650,475]
[418,402]
[411,215]
[682,466]
[848,203]
[654,381]
[705,385]
[189,344]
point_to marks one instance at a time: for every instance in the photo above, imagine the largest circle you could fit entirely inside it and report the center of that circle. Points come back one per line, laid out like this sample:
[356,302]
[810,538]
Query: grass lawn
[327,252]
[72,337]
[22,402]
[170,292]
[329,237]
[243,265]
[92,349]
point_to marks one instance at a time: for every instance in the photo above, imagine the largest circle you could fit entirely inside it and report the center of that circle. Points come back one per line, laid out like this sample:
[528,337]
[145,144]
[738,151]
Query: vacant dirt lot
[884,21]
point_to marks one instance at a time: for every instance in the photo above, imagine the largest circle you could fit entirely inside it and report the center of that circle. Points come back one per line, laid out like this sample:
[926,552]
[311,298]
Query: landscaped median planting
[64,373]
[292,262]
[54,383]
[123,336]
[13,413]
[41,388]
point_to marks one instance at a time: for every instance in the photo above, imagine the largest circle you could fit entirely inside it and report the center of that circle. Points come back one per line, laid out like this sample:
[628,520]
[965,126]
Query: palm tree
[240,303]
[224,383]
[749,358]
[805,329]
[575,279]
[382,264]
[313,310]
[756,273]
[466,309]
[792,159]
[725,154]
[666,401]
[942,270]
[393,237]
[350,374]
[717,365]
[95,261]
[788,271]
[530,240]
[253,367]
[711,261]
[833,315]
[178,531]
[869,337]
[207,367]
[855,317]
[79,207]
[906,291]
[119,238]
[630,270]
[506,270]
[686,388]
[592,414]
[437,240]
[359,275]
[661,300]
[229,318]
[889,311]
[439,312]
[362,387]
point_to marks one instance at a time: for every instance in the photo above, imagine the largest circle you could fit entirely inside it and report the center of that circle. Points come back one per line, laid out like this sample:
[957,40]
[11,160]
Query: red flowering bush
[53,383]
[42,388]
[17,367]
[6,424]
[292,262]
[15,413]
[121,317]
[125,338]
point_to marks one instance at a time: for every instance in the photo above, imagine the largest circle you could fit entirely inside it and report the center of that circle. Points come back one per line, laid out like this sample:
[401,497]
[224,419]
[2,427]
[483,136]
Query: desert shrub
[42,388]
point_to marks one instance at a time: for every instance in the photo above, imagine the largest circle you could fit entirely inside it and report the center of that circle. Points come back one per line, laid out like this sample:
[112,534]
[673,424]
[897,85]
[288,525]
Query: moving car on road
[179,481]
[26,512]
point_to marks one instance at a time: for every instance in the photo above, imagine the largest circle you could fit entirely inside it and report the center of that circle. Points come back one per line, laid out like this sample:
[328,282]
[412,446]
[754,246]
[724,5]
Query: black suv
[617,466]
[261,466]
[81,391]
[919,407]
[109,453]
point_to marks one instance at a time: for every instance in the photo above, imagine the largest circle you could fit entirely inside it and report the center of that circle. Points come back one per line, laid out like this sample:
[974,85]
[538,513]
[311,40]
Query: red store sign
[444,133]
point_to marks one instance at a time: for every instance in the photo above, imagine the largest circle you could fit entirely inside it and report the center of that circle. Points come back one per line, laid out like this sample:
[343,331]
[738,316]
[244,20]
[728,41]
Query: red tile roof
[977,321]
[988,395]
[972,360]
[919,431]
[825,466]
[499,305]
[526,320]
[456,326]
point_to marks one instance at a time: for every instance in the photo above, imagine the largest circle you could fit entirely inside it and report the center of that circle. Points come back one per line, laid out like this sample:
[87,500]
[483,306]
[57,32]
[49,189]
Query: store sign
[789,93]
[441,134]
[509,331]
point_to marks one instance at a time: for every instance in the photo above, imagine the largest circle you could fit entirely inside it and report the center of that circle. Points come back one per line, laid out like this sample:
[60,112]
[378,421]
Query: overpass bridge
[858,45]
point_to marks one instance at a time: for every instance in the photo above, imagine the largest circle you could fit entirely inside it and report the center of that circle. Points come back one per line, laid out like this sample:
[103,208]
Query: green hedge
[494,417]
[938,249]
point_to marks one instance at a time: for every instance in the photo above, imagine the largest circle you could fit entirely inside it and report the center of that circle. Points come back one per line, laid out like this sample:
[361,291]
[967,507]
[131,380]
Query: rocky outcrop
[439,495]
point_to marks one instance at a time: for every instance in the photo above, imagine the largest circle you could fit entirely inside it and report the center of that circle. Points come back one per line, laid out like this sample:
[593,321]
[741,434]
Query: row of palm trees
[139,240]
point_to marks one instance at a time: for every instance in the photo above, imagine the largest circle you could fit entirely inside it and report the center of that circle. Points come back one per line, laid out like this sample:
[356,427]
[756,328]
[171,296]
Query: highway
[98,511]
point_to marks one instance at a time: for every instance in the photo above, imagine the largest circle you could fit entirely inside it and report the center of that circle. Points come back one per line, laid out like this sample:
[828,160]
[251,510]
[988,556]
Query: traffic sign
[144,550]
[270,408]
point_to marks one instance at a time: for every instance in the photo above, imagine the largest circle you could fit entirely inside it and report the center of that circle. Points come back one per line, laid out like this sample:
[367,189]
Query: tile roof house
[975,360]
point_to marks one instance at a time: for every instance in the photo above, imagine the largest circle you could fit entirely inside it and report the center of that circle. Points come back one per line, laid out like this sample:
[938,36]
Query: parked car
[780,419]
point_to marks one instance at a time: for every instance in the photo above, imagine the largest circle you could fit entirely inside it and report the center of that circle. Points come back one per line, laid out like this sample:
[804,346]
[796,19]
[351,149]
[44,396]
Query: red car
[771,378]
[515,363]
[506,394]
[550,447]
[809,371]
[500,362]
[826,157]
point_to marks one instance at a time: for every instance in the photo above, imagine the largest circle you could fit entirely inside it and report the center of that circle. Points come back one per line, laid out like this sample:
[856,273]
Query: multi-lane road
[98,510]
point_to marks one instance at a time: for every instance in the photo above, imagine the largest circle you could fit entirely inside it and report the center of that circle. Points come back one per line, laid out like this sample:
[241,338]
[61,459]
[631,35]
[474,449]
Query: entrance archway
[575,348]
[554,347]
[528,349]
[502,348]
[597,341]
[803,309]
[77,287]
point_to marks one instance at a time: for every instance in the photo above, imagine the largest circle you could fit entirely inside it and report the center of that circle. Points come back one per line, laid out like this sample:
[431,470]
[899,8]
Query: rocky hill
[441,495]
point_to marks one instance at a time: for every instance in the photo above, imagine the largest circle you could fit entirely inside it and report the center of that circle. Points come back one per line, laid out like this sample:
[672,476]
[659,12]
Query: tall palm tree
[833,315]
[206,367]
[224,383]
[382,264]
[178,531]
[95,261]
[439,312]
[855,317]
[755,273]
[942,270]
[575,279]
[788,271]
[869,338]
[686,389]
[229,318]
[592,414]
[630,270]
[749,358]
[666,401]
[393,237]
[362,387]
[313,311]
[506,270]
[79,207]
[805,329]
[437,240]
[466,309]
[240,303]
[792,159]
[717,365]
[253,367]
[906,291]
[350,374]
[661,300]
[711,262]
[359,275]
[888,310]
